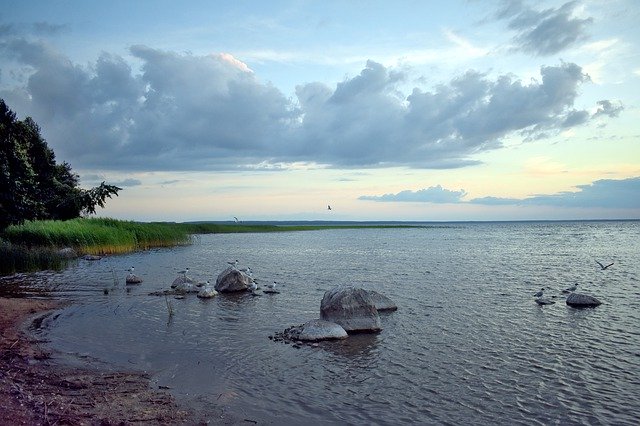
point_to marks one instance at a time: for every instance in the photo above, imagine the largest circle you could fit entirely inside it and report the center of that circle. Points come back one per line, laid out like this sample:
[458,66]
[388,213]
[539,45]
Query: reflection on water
[468,343]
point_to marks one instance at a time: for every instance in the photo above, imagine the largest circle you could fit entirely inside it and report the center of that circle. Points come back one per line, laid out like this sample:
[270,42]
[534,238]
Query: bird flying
[603,267]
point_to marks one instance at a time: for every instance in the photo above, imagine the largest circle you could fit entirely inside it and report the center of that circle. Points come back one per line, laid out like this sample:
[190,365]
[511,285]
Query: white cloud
[210,112]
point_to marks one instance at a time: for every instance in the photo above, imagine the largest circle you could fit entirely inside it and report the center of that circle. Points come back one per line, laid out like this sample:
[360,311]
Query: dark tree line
[32,185]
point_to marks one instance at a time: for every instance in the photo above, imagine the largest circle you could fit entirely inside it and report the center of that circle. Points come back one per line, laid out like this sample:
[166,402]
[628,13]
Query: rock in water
[182,282]
[352,308]
[207,293]
[231,280]
[544,301]
[578,300]
[316,330]
[382,302]
[133,279]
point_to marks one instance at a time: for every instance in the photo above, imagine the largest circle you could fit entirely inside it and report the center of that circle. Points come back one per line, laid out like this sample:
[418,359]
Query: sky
[456,110]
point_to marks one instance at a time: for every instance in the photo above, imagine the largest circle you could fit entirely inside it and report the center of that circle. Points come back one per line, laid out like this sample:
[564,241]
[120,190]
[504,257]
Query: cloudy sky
[405,110]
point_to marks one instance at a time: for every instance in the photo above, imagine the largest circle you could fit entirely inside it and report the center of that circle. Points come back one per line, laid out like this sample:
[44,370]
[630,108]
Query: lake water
[468,343]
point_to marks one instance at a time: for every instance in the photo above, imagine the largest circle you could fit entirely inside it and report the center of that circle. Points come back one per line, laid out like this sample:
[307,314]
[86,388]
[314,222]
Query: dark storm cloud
[544,32]
[604,193]
[210,112]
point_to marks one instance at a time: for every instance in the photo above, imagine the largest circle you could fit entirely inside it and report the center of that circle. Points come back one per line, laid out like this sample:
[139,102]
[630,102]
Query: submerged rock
[578,300]
[310,332]
[316,330]
[207,293]
[382,302]
[544,301]
[231,280]
[182,281]
[91,257]
[352,308]
[133,279]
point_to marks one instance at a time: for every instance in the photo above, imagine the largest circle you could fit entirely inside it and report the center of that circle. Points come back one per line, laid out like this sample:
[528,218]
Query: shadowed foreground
[34,390]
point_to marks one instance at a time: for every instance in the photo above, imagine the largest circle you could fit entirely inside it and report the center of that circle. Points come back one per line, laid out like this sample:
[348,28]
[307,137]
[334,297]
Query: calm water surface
[468,343]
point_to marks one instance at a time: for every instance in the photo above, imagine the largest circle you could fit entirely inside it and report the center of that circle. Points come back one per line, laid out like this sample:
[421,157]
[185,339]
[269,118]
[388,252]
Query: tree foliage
[32,185]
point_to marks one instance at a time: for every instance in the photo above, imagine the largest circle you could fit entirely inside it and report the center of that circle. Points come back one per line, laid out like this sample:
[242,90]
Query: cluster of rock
[343,310]
[576,300]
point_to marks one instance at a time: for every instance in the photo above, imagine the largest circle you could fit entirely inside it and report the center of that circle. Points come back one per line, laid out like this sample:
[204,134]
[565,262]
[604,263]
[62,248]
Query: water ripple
[468,343]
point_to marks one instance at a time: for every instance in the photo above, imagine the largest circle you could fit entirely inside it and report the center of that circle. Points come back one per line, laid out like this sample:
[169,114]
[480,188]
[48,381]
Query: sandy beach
[36,390]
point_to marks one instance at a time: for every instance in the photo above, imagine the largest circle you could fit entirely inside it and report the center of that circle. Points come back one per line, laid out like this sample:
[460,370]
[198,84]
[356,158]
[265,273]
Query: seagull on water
[603,267]
[539,294]
[570,289]
[233,263]
[272,286]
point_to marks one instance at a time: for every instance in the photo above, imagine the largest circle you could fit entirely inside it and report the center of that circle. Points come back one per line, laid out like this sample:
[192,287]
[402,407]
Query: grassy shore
[39,245]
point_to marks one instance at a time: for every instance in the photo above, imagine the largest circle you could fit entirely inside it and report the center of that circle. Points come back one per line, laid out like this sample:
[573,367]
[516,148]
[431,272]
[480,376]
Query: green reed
[37,245]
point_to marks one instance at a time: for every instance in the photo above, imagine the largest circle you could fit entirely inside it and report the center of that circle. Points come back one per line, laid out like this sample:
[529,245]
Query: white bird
[184,273]
[539,294]
[233,263]
[570,289]
[603,267]
[236,219]
[272,286]
[132,278]
[253,286]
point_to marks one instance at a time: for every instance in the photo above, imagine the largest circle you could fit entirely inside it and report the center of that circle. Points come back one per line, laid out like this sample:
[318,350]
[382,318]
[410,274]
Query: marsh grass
[37,245]
[18,258]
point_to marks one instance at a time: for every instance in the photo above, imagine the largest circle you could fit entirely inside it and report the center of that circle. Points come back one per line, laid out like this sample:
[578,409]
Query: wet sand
[36,390]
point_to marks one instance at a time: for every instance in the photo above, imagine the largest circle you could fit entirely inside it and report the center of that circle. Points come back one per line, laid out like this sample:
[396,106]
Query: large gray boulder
[352,308]
[578,300]
[231,280]
[382,302]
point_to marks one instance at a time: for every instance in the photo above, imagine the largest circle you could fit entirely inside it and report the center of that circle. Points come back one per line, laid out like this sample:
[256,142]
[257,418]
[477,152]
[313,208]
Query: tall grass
[96,236]
[18,258]
[36,245]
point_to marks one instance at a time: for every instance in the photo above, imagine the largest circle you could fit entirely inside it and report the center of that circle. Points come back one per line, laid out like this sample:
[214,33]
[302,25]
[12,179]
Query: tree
[32,185]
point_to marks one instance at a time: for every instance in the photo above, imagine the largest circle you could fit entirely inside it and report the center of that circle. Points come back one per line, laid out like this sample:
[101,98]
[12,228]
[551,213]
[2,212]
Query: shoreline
[37,390]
